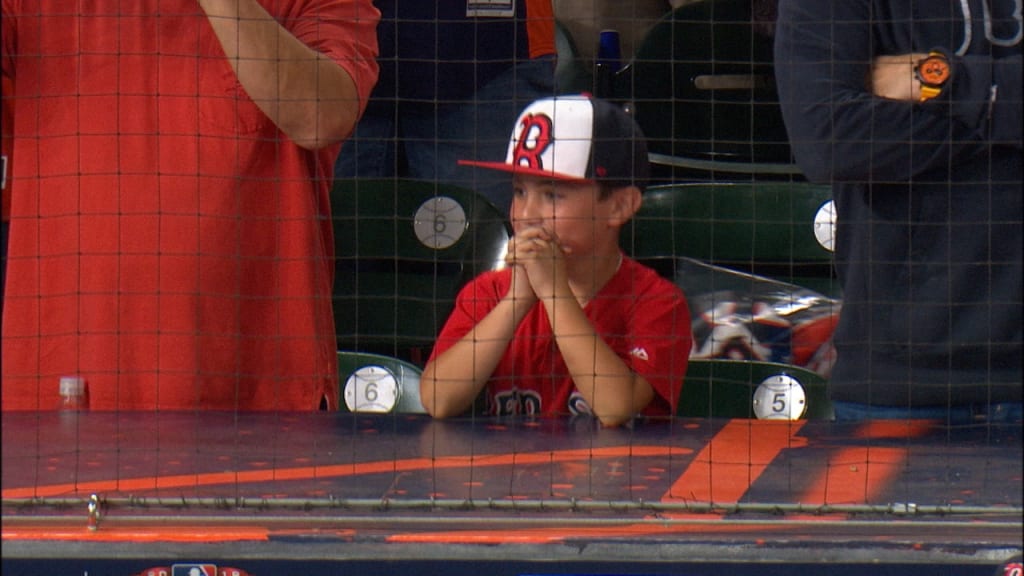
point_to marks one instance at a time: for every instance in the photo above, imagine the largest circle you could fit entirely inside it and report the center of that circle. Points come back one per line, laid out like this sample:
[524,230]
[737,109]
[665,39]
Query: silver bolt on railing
[93,521]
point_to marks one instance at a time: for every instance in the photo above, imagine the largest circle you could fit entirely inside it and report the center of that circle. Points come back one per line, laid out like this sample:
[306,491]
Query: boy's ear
[625,203]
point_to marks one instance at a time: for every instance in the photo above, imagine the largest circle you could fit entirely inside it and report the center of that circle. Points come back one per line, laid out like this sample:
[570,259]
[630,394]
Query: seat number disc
[371,389]
[440,222]
[780,397]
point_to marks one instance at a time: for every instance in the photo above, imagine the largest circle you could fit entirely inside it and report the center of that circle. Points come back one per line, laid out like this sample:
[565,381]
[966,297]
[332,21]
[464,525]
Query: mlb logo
[193,570]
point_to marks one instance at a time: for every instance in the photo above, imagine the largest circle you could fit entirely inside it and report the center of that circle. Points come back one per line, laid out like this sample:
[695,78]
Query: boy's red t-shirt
[643,317]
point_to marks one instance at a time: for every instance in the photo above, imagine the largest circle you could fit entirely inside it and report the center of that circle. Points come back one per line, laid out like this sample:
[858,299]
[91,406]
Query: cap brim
[525,170]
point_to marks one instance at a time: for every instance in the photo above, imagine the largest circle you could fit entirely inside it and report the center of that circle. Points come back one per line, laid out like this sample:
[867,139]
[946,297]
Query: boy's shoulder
[495,281]
[640,278]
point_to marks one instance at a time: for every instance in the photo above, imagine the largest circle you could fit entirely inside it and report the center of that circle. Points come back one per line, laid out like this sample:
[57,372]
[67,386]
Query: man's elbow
[323,129]
[815,161]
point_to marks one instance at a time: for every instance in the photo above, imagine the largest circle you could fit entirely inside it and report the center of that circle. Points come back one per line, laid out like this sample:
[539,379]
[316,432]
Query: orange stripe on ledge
[735,458]
[135,485]
[136,534]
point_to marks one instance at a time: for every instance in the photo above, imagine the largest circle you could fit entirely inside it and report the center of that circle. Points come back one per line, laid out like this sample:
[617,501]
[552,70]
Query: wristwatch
[933,72]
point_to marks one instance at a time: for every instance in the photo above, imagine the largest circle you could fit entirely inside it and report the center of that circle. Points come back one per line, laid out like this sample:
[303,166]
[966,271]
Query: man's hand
[893,77]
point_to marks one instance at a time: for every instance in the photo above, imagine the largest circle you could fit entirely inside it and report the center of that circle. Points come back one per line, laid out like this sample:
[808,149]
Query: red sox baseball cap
[576,138]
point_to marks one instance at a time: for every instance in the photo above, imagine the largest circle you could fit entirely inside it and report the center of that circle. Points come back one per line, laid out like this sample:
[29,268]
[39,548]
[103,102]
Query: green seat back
[719,388]
[381,371]
[702,86]
[762,227]
[403,250]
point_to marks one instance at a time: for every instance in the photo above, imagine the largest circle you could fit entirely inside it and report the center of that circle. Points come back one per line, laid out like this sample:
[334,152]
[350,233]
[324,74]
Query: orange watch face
[933,70]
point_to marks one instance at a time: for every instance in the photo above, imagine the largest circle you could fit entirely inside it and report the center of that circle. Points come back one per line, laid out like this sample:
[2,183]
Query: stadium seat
[403,250]
[374,383]
[721,388]
[701,84]
[761,227]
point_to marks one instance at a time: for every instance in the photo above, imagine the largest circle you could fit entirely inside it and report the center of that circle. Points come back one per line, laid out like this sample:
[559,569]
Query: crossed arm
[893,77]
[823,73]
[310,98]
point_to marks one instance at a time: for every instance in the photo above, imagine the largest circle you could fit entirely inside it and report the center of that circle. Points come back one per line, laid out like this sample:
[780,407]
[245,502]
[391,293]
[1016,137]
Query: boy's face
[572,212]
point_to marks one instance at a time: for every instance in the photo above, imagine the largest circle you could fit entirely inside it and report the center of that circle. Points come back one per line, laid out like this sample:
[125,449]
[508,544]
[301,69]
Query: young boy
[570,325]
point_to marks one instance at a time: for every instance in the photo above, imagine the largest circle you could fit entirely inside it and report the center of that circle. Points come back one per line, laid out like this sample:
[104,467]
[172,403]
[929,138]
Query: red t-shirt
[168,242]
[6,144]
[643,317]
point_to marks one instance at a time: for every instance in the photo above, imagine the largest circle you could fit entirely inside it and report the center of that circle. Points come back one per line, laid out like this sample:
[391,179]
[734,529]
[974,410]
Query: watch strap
[929,92]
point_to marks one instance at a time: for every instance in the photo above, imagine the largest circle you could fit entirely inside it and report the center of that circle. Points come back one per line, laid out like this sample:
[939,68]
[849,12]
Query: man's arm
[823,64]
[307,95]
[894,77]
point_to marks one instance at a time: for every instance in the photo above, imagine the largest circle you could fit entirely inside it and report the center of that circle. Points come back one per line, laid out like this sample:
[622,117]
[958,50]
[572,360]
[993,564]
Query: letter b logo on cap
[534,138]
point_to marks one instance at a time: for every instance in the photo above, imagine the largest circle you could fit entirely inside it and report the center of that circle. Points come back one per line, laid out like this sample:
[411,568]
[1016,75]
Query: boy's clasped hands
[538,266]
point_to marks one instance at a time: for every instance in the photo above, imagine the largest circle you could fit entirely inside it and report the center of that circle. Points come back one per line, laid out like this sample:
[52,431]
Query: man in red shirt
[6,144]
[170,234]
[571,326]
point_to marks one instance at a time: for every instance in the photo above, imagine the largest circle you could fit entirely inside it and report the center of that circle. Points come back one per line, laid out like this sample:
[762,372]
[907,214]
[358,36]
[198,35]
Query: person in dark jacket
[453,75]
[912,111]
